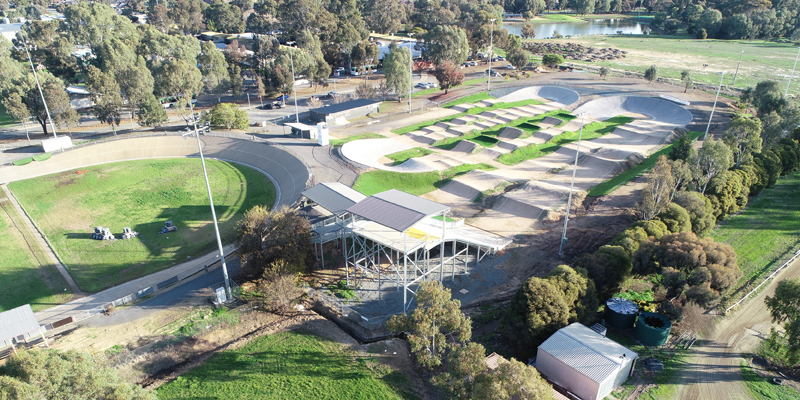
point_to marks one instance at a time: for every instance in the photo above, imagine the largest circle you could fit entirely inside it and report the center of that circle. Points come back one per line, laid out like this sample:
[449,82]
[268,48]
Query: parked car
[432,84]
[501,58]
[509,66]
[283,97]
[338,71]
[493,73]
[473,63]
[333,95]
[421,86]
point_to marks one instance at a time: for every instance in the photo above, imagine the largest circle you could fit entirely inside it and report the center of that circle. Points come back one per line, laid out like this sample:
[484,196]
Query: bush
[676,219]
[536,311]
[607,267]
[280,290]
[552,60]
[229,115]
[674,312]
[702,34]
[579,292]
[701,212]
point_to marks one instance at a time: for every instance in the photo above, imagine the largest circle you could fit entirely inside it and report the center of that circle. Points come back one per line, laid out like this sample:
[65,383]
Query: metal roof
[586,351]
[347,105]
[17,321]
[411,202]
[385,213]
[334,196]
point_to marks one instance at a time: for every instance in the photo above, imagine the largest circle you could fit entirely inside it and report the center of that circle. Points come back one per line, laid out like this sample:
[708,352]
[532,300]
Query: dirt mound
[574,51]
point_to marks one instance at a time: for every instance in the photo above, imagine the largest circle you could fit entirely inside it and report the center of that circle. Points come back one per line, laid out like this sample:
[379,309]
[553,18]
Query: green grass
[485,141]
[289,365]
[473,98]
[402,156]
[198,323]
[765,231]
[667,381]
[417,183]
[471,111]
[341,142]
[42,157]
[24,161]
[23,279]
[630,174]
[5,117]
[526,124]
[440,217]
[341,290]
[761,387]
[762,59]
[558,18]
[143,195]
[591,131]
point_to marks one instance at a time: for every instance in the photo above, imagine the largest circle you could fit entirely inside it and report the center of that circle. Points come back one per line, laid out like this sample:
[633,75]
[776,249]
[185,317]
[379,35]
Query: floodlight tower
[39,86]
[491,49]
[571,185]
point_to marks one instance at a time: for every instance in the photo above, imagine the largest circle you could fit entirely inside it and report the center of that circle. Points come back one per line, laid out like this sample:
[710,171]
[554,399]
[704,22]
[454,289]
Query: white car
[432,84]
[509,66]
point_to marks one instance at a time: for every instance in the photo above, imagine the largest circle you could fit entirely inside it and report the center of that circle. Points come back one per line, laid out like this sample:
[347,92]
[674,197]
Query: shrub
[552,60]
[536,311]
[676,219]
[702,34]
[674,312]
[579,292]
[701,212]
[607,267]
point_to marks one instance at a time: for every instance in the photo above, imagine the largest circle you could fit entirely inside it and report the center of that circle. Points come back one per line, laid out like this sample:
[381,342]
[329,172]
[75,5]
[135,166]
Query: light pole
[294,89]
[792,75]
[410,75]
[39,86]
[211,201]
[571,185]
[722,75]
[737,69]
[491,42]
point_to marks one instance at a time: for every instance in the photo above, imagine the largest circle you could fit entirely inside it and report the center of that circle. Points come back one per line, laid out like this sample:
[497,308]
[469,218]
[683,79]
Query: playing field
[289,365]
[23,278]
[142,195]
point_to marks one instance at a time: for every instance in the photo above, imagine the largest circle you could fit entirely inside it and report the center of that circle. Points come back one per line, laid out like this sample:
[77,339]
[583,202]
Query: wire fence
[366,328]
[772,275]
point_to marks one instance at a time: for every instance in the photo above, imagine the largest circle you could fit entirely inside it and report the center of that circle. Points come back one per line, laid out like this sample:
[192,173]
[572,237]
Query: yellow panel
[418,234]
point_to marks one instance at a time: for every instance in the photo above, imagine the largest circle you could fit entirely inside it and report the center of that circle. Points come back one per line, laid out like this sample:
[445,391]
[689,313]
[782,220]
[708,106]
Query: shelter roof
[347,105]
[301,126]
[17,321]
[396,209]
[334,196]
[586,351]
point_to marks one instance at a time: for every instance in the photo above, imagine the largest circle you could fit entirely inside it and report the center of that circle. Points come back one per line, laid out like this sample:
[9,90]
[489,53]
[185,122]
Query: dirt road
[714,370]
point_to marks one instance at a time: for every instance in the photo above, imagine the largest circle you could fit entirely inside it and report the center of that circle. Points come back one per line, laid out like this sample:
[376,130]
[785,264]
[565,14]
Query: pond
[593,27]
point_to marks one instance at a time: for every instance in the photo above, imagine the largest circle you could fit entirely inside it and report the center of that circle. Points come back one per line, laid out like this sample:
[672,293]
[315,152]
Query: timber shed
[584,362]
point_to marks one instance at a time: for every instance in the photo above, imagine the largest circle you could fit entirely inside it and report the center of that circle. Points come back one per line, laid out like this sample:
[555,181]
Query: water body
[593,27]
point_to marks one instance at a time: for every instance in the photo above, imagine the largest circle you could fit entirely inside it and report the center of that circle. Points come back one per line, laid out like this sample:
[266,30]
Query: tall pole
[211,201]
[722,75]
[410,76]
[491,42]
[737,69]
[571,185]
[790,76]
[39,86]
[294,89]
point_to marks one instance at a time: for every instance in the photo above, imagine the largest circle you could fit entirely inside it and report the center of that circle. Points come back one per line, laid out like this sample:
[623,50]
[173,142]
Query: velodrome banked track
[288,173]
[548,178]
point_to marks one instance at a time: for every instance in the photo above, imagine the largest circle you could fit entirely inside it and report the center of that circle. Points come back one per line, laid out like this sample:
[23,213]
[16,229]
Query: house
[339,114]
[584,362]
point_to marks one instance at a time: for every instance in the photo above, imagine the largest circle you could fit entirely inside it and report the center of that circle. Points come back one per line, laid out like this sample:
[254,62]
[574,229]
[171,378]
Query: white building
[584,362]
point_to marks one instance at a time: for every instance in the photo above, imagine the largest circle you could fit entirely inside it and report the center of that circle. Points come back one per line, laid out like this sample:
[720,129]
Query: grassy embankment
[26,275]
[471,111]
[417,183]
[630,174]
[528,126]
[591,131]
[143,195]
[403,155]
[764,234]
[341,142]
[296,365]
[762,59]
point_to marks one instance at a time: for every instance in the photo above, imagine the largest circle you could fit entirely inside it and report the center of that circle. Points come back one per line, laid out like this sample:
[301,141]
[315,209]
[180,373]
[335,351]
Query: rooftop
[347,105]
[396,209]
[586,351]
[334,196]
[17,321]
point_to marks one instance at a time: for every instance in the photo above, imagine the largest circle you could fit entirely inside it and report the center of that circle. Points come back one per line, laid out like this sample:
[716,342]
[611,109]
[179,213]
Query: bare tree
[314,102]
[657,192]
[365,91]
[280,290]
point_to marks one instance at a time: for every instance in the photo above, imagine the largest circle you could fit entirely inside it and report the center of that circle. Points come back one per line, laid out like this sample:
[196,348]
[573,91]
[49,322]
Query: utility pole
[722,75]
[571,185]
[39,86]
[410,76]
[491,49]
[786,93]
[294,89]
[737,69]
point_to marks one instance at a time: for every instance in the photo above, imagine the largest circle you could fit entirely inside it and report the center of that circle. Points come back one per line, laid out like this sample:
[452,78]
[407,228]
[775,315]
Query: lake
[593,27]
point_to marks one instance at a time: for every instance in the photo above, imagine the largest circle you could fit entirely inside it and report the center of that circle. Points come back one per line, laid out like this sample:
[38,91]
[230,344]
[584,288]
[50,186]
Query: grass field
[417,183]
[23,278]
[5,117]
[766,230]
[630,174]
[402,156]
[289,365]
[761,388]
[590,131]
[762,59]
[341,142]
[666,382]
[143,195]
[471,111]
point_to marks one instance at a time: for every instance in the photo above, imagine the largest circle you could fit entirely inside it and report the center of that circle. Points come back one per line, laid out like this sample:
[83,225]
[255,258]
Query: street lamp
[39,86]
[294,89]
[571,185]
[196,133]
[410,75]
[722,75]
[491,42]
[792,75]
[737,69]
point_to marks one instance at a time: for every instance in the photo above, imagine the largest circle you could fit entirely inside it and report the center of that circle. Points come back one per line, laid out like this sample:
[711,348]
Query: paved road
[713,372]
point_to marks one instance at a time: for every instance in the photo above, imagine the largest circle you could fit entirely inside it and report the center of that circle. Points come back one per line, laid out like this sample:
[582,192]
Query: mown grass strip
[341,142]
[42,157]
[402,156]
[630,174]
[417,183]
[526,124]
[24,161]
[591,131]
[471,111]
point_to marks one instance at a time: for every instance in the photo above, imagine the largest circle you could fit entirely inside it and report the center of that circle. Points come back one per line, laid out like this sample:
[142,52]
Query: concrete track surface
[713,371]
[289,175]
[660,110]
[555,94]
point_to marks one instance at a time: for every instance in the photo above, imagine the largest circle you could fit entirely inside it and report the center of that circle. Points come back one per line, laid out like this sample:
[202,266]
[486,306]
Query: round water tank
[621,313]
[652,329]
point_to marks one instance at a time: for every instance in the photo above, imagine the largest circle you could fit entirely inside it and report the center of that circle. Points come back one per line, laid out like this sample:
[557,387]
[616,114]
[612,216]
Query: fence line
[794,257]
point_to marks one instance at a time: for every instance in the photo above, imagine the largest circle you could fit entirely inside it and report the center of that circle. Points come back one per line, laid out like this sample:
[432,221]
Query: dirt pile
[574,51]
